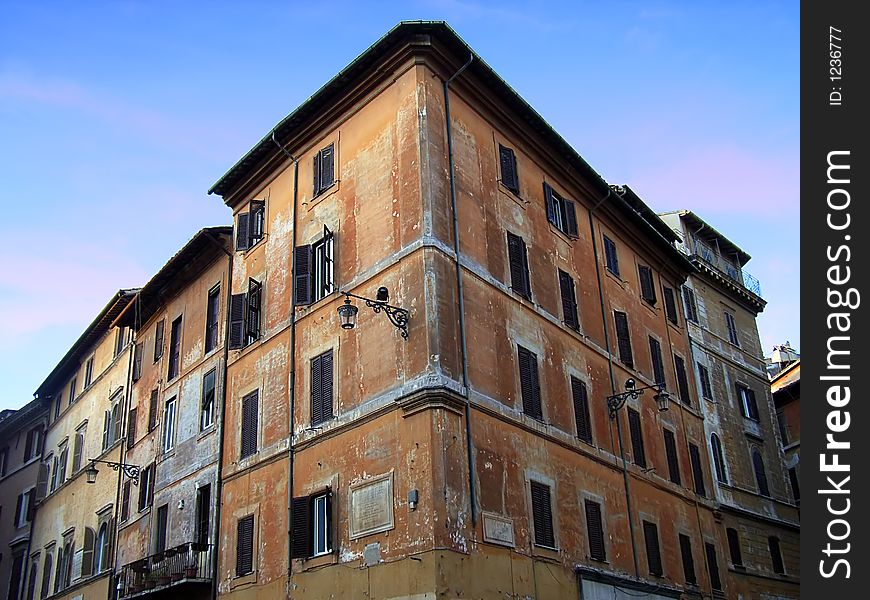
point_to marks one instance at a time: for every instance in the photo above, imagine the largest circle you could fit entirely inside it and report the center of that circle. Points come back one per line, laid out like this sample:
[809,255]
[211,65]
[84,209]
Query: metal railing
[695,247]
[187,562]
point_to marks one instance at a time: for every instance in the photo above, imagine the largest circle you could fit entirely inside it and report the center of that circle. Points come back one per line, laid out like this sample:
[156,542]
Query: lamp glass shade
[347,314]
[91,473]
[662,399]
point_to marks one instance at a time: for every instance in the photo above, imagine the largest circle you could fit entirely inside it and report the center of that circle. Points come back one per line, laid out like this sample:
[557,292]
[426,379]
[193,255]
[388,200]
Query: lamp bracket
[397,316]
[616,401]
[131,471]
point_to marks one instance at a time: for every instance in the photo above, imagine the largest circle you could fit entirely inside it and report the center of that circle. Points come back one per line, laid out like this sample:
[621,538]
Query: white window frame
[206,413]
[320,525]
[323,251]
[169,424]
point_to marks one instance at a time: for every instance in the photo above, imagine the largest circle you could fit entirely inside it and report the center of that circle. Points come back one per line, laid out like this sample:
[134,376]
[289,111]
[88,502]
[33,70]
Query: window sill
[515,196]
[240,580]
[330,558]
[206,432]
[615,277]
[570,239]
[545,553]
[323,194]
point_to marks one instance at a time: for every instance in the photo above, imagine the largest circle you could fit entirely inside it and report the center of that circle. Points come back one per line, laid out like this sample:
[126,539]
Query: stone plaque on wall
[371,506]
[498,529]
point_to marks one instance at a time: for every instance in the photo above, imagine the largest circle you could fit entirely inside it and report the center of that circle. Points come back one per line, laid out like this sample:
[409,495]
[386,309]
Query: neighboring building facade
[74,527]
[721,302]
[475,458]
[166,525]
[786,390]
[22,436]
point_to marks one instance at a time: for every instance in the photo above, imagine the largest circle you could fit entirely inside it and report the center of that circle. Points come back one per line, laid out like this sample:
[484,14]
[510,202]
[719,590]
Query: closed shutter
[88,553]
[691,307]
[760,474]
[254,311]
[634,428]
[653,552]
[623,338]
[321,388]
[670,305]
[570,218]
[581,410]
[734,547]
[519,265]
[688,560]
[647,288]
[42,481]
[671,453]
[158,339]
[697,471]
[245,546]
[300,528]
[551,203]
[117,421]
[131,427]
[611,259]
[243,237]
[237,321]
[249,424]
[595,530]
[542,515]
[152,410]
[125,502]
[713,566]
[137,362]
[569,300]
[19,510]
[303,275]
[107,429]
[28,445]
[732,329]
[529,383]
[704,374]
[718,458]
[775,555]
[682,380]
[316,169]
[658,368]
[31,504]
[508,161]
[77,452]
[327,167]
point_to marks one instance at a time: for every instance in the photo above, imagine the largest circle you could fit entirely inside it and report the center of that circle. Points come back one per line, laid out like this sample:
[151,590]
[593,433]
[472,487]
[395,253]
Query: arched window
[718,458]
[45,590]
[101,550]
[760,474]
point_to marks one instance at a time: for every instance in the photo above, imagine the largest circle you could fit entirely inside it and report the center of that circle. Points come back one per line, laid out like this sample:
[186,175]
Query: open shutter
[77,452]
[237,321]
[137,362]
[158,339]
[326,262]
[581,410]
[753,405]
[31,504]
[107,428]
[551,203]
[508,161]
[300,533]
[569,300]
[623,338]
[529,383]
[303,275]
[682,380]
[245,546]
[42,481]
[634,427]
[571,218]
[117,421]
[243,238]
[595,530]
[671,453]
[88,553]
[253,313]
[519,266]
[317,168]
[131,427]
[653,552]
[125,501]
[697,471]
[690,306]
[19,510]
[542,514]
[670,305]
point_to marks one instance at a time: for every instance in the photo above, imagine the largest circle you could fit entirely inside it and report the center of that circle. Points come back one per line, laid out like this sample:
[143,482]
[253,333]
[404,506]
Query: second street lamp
[131,471]
[615,402]
[398,316]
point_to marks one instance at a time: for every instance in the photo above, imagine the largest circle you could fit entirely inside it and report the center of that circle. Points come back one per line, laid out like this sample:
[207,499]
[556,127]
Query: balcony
[184,569]
[709,255]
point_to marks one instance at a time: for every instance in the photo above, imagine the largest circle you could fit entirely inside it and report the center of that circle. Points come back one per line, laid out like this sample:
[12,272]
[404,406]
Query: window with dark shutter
[718,458]
[682,380]
[243,238]
[706,388]
[611,259]
[623,338]
[152,410]
[636,433]
[530,387]
[174,349]
[653,552]
[303,274]
[569,300]
[162,526]
[688,560]
[212,313]
[671,453]
[78,447]
[158,339]
[595,530]
[581,410]
[542,515]
[237,321]
[256,222]
[245,546]
[519,266]
[508,162]
[321,388]
[300,528]
[732,329]
[734,547]
[697,471]
[248,444]
[146,487]
[253,315]
[203,514]
[775,555]
[670,305]
[125,501]
[748,405]
[658,367]
[131,427]
[324,169]
[31,504]
[137,362]
[647,287]
[560,211]
[713,566]
[690,305]
[760,473]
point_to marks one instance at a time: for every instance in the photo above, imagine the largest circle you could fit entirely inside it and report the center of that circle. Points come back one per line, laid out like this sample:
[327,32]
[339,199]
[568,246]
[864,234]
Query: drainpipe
[292,389]
[613,383]
[459,291]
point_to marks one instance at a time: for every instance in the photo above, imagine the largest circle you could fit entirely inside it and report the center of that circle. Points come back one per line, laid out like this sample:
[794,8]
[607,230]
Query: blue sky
[116,117]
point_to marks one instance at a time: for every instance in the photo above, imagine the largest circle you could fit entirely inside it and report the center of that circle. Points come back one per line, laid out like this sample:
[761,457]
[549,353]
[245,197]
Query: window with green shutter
[518,262]
[637,449]
[542,515]
[321,388]
[530,387]
[250,416]
[595,530]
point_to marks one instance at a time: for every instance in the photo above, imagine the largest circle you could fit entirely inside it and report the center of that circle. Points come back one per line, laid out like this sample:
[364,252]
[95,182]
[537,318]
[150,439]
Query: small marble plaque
[498,529]
[371,506]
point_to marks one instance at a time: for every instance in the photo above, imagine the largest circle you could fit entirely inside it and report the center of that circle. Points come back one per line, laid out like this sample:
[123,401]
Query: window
[152,410]
[206,415]
[120,340]
[658,367]
[734,547]
[688,560]
[530,387]
[671,453]
[314,269]
[162,526]
[212,314]
[131,427]
[581,410]
[101,549]
[775,555]
[125,501]
[748,405]
[670,305]
[4,460]
[508,163]
[57,408]
[33,443]
[31,583]
[542,515]
[569,300]
[146,487]
[697,471]
[112,422]
[245,546]
[78,448]
[89,372]
[690,305]
[595,530]
[718,458]
[72,392]
[732,329]
[760,474]
[713,566]
[45,590]
[518,261]
[158,339]
[137,362]
[311,533]
[248,444]
[25,507]
[324,169]
[682,380]
[203,514]
[245,311]
[647,287]
[623,338]
[169,424]
[85,556]
[795,484]
[637,450]
[63,458]
[42,479]
[321,388]
[174,349]
[611,259]
[16,574]
[250,225]
[653,552]
[560,211]
[706,388]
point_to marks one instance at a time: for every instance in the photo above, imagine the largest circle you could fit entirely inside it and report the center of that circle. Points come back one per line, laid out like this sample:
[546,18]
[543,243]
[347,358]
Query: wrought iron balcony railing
[187,563]
[709,255]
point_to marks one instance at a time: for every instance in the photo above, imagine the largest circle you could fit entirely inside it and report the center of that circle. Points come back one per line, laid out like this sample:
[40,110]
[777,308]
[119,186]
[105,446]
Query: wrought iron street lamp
[398,316]
[615,402]
[131,471]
